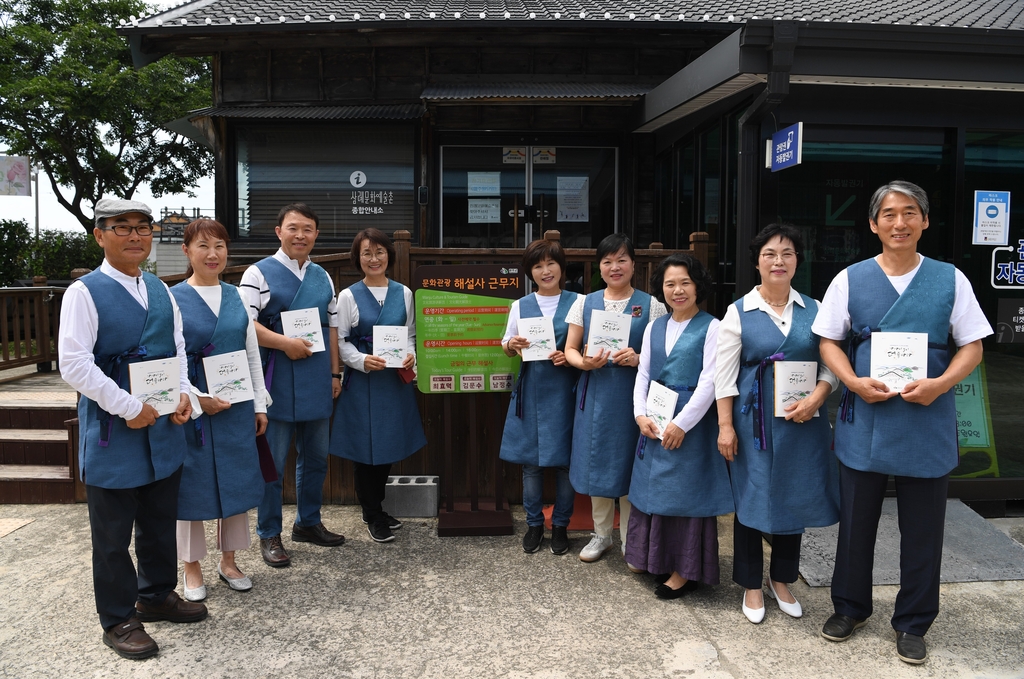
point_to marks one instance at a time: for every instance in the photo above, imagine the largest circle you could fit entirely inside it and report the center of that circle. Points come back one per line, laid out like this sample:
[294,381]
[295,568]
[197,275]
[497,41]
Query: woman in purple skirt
[680,483]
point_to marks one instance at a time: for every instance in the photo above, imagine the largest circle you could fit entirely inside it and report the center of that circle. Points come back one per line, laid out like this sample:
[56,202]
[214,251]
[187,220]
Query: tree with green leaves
[71,99]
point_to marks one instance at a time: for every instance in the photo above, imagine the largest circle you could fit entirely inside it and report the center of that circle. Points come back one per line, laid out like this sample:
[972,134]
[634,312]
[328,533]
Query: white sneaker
[596,548]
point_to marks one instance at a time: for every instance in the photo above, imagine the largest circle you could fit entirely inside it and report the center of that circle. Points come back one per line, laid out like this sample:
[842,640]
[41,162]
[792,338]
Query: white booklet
[898,358]
[227,376]
[304,323]
[157,383]
[794,381]
[541,333]
[661,405]
[391,342]
[608,331]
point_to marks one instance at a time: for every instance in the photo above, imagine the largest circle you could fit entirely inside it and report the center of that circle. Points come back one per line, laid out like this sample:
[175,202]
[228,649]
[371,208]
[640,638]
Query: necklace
[774,304]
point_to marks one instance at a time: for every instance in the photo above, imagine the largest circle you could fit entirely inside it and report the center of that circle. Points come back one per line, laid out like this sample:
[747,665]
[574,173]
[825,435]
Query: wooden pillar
[402,269]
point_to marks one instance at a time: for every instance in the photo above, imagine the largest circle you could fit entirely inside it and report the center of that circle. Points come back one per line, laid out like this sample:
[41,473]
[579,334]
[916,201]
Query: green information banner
[974,427]
[458,334]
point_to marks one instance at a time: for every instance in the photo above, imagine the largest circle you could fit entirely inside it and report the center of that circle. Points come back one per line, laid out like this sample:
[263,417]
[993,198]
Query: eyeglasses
[379,254]
[786,256]
[125,230]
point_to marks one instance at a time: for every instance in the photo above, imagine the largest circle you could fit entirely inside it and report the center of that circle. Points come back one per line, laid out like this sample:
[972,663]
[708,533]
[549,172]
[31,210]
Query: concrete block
[411,496]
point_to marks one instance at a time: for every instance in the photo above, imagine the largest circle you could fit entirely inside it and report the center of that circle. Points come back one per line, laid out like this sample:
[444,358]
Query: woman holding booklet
[376,420]
[605,333]
[771,388]
[679,483]
[221,477]
[538,427]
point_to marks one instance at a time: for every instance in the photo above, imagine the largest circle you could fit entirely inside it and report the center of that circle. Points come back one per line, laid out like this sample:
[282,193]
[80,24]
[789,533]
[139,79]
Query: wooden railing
[28,325]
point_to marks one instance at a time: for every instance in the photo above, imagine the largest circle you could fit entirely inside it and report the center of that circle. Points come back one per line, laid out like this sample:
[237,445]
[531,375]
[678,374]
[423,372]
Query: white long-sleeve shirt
[211,294]
[348,318]
[730,340]
[76,339]
[255,291]
[703,396]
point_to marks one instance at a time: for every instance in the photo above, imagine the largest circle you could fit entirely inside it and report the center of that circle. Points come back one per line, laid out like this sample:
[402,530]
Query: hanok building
[482,123]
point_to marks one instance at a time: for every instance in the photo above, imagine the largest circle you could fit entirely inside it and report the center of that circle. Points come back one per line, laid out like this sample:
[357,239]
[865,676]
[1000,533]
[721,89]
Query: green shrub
[14,250]
[58,252]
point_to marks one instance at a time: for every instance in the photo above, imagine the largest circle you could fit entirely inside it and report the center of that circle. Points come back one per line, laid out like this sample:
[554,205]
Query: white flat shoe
[794,610]
[242,584]
[754,615]
[196,594]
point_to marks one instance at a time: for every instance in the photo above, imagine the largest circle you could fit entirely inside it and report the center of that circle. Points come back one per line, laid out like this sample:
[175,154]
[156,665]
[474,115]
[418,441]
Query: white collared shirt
[704,393]
[256,293]
[76,340]
[730,340]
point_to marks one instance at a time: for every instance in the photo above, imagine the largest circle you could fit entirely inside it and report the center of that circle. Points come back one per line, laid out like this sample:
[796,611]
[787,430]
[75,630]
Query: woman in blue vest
[376,419]
[538,427]
[221,478]
[784,474]
[679,483]
[604,433]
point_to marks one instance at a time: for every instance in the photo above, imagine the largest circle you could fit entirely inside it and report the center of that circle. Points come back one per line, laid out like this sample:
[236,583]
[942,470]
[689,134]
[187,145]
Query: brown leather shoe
[273,552]
[172,609]
[318,535]
[130,640]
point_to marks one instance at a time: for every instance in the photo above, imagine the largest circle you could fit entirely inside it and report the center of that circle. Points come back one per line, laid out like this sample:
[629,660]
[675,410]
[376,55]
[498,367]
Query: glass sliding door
[500,196]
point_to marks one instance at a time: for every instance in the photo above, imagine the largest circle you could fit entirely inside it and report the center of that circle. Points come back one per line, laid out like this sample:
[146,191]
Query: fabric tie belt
[641,444]
[755,398]
[364,343]
[112,369]
[193,377]
[586,381]
[846,401]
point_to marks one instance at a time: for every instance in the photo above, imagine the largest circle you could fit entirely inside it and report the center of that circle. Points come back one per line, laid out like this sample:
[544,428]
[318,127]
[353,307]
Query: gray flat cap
[112,207]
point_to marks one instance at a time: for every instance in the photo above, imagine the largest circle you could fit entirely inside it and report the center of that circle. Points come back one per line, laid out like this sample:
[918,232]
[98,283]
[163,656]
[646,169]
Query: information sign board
[461,313]
[787,147]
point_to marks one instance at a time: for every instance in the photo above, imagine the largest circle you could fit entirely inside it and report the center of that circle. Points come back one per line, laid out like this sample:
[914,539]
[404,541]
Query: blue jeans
[533,490]
[311,441]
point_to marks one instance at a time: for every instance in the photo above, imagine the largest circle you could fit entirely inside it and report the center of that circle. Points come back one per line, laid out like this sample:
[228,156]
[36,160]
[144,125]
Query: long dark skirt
[684,544]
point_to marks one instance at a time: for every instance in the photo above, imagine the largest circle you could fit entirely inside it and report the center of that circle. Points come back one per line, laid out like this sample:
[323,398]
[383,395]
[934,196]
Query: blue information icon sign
[991,218]
[787,147]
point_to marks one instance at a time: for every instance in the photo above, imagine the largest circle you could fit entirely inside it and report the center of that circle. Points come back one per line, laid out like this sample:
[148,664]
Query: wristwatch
[336,375]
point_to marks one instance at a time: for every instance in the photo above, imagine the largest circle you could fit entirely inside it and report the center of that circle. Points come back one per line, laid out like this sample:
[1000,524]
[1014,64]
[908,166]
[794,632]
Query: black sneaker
[559,540]
[379,531]
[393,523]
[531,541]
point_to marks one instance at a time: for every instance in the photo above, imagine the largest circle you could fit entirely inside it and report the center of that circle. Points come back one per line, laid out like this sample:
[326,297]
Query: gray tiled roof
[190,16]
[384,112]
[534,91]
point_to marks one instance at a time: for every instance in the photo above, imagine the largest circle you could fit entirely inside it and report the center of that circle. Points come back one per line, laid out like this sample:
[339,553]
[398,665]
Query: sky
[53,216]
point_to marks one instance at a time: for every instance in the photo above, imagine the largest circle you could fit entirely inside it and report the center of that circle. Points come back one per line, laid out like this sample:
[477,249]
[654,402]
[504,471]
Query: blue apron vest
[221,476]
[692,480]
[300,390]
[110,455]
[876,440]
[794,482]
[376,419]
[604,432]
[538,426]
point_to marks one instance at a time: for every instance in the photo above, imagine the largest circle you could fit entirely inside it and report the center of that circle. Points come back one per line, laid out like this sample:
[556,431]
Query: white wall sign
[484,211]
[542,156]
[513,155]
[14,176]
[991,218]
[483,183]
[573,199]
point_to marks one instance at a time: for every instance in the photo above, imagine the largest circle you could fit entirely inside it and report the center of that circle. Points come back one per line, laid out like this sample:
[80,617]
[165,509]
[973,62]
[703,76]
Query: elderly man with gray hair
[898,291]
[129,456]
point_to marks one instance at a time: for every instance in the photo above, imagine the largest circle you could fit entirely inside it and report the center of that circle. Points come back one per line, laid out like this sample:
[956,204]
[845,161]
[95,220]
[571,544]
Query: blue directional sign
[787,147]
[991,218]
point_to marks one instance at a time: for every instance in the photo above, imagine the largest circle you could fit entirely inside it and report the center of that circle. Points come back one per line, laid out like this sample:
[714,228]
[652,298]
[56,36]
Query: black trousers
[748,557]
[921,511]
[370,481]
[152,510]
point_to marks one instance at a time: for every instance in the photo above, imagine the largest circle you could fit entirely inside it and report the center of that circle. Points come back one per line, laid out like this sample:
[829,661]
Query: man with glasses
[302,383]
[129,457]
[898,291]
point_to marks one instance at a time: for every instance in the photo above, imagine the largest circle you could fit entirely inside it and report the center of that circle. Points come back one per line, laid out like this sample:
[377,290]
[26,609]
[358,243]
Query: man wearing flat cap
[129,457]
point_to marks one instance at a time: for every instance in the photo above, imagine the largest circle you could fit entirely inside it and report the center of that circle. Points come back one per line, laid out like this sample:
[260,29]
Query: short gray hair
[908,189]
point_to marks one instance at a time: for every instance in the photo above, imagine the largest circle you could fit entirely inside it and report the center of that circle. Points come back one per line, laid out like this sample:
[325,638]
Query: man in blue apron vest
[302,383]
[129,457]
[897,291]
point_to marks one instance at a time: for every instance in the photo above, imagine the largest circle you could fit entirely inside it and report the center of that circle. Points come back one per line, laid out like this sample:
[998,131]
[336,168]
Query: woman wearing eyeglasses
[376,419]
[783,472]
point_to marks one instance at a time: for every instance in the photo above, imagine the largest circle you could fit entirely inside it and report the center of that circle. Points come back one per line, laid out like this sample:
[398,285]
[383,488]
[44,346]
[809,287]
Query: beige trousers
[604,515]
[232,535]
